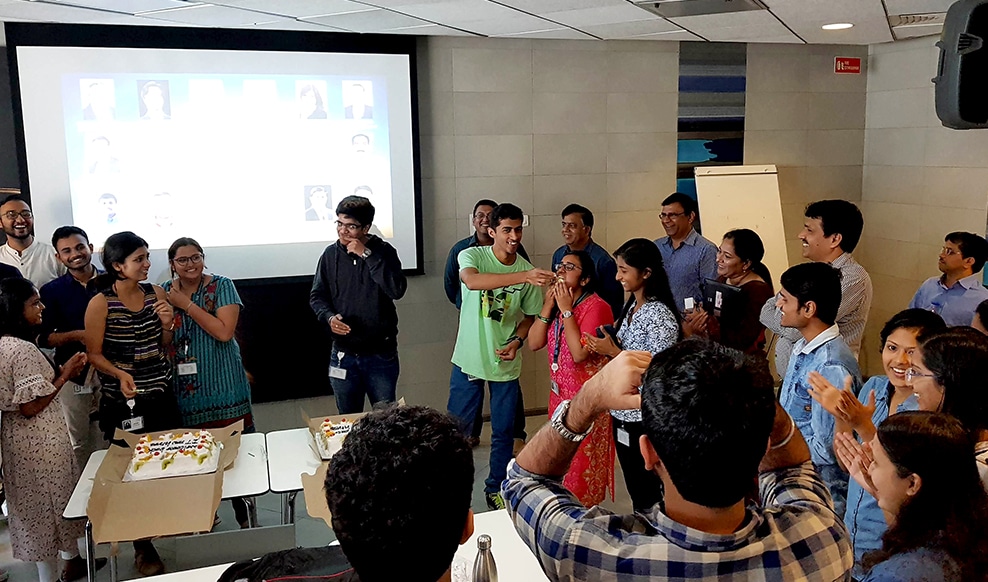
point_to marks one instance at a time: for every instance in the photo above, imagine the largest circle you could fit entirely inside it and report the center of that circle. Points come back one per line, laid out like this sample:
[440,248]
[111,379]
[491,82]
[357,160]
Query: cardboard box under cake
[126,511]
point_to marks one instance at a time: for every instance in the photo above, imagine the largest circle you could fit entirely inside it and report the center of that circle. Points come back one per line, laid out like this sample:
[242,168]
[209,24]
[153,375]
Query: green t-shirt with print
[489,317]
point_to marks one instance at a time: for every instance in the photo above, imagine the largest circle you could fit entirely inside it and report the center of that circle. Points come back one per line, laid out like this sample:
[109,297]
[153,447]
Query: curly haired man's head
[400,488]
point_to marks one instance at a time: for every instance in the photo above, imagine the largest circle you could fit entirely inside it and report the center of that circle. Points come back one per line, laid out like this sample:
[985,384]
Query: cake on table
[173,455]
[330,435]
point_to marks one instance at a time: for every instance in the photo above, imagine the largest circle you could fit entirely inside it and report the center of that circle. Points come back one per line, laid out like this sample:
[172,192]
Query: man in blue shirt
[451,283]
[808,302]
[956,294]
[63,328]
[577,231]
[689,259]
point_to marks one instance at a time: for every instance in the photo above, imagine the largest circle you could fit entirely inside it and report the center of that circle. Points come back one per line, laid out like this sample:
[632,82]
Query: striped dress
[132,343]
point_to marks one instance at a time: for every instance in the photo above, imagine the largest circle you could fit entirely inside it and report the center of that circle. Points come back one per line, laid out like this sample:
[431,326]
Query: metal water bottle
[484,568]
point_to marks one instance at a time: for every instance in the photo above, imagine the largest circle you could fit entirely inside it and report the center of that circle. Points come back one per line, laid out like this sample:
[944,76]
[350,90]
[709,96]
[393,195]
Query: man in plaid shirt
[711,425]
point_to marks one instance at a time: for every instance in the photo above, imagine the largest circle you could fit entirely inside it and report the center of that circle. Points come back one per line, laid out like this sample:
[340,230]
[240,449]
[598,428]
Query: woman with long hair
[880,397]
[128,325]
[572,308]
[39,468]
[649,322]
[739,263]
[210,382]
[919,469]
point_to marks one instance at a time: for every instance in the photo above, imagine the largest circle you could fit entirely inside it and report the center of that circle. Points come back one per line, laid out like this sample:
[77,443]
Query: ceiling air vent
[914,25]
[678,8]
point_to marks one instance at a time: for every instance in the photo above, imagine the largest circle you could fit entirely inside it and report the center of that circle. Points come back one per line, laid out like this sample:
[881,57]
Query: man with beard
[357,281]
[35,260]
[63,328]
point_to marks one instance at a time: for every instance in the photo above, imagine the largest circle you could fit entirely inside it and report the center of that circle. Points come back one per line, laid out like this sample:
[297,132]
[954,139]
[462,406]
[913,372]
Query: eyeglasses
[481,215]
[194,260]
[943,250]
[12,214]
[568,267]
[913,373]
[668,215]
[348,226]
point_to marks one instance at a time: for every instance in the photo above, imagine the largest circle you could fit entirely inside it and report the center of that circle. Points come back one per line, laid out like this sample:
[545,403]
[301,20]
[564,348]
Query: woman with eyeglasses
[571,309]
[919,469]
[129,324]
[209,378]
[649,322]
[739,263]
[880,397]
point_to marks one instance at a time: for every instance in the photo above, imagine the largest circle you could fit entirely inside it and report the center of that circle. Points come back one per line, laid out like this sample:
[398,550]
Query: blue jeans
[375,375]
[465,395]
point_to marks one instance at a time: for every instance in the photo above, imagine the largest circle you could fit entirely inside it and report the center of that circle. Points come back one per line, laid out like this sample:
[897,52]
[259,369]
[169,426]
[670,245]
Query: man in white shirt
[36,260]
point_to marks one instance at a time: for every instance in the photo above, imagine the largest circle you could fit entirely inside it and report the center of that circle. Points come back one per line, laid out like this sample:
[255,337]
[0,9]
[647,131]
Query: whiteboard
[732,197]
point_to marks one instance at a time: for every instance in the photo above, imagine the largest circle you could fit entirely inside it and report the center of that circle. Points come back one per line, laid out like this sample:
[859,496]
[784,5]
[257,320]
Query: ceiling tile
[751,26]
[43,12]
[599,15]
[806,18]
[544,6]
[512,22]
[297,25]
[297,8]
[373,20]
[555,33]
[676,35]
[429,30]
[896,7]
[630,29]
[213,16]
[123,6]
[449,11]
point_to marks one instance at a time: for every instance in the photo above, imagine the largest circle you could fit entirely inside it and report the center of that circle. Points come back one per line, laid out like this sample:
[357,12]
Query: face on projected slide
[154,100]
[360,143]
[359,100]
[164,210]
[108,202]
[318,205]
[98,100]
[101,157]
[310,103]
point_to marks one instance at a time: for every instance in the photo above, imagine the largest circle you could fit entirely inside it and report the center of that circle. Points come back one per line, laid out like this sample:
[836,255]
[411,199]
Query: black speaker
[962,75]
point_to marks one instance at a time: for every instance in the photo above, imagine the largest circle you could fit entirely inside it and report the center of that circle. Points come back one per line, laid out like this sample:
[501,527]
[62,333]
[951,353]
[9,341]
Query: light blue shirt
[920,565]
[864,519]
[829,355]
[955,305]
[689,266]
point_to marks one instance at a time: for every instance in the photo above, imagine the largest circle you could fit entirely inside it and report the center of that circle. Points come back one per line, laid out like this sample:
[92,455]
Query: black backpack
[326,564]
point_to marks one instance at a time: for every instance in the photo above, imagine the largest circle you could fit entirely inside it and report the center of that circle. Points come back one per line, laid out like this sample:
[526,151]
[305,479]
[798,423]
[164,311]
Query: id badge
[623,437]
[188,368]
[133,424]
[338,373]
[555,388]
[81,389]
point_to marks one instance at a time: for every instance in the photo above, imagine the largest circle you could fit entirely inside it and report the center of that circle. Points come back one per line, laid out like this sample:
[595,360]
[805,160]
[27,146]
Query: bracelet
[521,341]
[171,327]
[544,320]
[785,441]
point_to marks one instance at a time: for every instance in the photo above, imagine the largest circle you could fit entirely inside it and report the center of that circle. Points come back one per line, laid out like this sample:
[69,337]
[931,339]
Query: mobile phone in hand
[607,330]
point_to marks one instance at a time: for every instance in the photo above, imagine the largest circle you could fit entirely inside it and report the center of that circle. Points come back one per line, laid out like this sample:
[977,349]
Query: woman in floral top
[571,308]
[649,322]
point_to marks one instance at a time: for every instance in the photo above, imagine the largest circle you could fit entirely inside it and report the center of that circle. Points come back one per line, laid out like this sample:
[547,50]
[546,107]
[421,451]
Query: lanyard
[184,339]
[557,326]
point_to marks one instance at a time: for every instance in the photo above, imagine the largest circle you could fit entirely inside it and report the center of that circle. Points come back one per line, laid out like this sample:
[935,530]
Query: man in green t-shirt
[500,298]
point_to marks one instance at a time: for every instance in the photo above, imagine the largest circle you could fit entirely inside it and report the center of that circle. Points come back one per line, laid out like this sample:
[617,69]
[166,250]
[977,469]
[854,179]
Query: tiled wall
[921,180]
[540,124]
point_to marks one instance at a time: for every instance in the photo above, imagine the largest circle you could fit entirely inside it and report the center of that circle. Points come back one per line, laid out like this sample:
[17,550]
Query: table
[207,574]
[247,477]
[289,455]
[514,560]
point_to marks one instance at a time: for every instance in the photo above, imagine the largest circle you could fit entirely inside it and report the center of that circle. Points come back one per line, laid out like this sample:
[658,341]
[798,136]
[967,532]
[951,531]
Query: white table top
[247,476]
[290,455]
[512,557]
[207,574]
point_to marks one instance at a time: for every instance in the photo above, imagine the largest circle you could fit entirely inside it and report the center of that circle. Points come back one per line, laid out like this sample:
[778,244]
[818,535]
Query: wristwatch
[567,314]
[365,254]
[557,423]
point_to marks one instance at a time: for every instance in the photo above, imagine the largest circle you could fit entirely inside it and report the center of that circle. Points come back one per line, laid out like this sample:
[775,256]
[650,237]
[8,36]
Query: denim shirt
[829,355]
[864,519]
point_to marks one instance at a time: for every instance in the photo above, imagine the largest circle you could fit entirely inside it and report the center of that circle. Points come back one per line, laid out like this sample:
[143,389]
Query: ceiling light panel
[297,8]
[749,26]
[806,18]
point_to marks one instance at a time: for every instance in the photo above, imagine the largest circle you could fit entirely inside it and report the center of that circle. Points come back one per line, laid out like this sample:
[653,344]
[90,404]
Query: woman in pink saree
[571,308]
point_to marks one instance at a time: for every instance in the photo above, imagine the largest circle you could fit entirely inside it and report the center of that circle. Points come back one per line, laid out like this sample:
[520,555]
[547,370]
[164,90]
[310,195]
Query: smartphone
[688,304]
[607,330]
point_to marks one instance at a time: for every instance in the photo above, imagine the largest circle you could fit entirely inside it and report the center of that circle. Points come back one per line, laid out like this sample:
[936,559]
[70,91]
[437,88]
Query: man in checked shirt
[831,231]
[711,426]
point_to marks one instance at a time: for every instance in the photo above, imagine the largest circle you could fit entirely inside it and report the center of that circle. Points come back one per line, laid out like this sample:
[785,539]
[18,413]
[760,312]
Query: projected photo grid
[228,159]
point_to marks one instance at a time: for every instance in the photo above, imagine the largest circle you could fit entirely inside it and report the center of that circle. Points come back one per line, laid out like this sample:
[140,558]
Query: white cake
[171,455]
[329,437]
